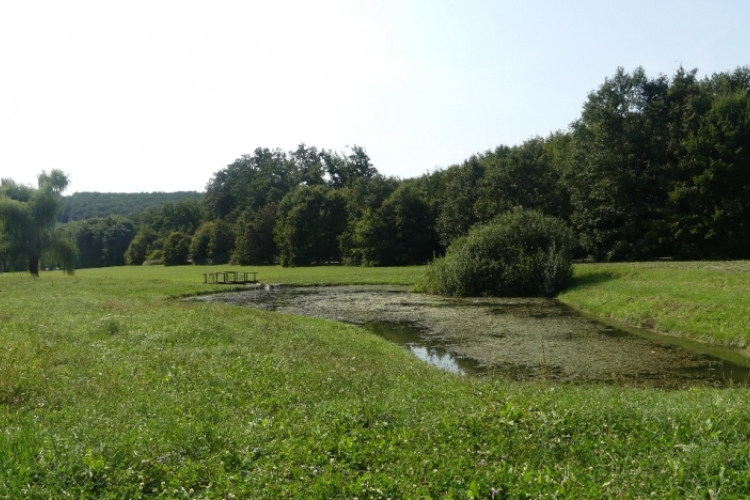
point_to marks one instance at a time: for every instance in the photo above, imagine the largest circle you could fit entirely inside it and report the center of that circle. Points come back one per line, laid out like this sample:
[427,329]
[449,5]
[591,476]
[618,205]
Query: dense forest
[86,205]
[654,167]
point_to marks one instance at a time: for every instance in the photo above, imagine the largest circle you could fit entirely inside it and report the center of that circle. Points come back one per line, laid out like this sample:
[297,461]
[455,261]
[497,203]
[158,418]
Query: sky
[158,95]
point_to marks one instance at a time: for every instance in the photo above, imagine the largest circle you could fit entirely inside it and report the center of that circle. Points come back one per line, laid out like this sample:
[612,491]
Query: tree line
[654,167]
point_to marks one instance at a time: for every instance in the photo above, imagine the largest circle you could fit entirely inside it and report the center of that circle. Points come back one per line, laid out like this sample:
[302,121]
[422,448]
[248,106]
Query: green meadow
[707,301]
[113,388]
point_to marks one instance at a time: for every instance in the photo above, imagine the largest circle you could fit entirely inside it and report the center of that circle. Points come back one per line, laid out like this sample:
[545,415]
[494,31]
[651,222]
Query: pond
[520,338]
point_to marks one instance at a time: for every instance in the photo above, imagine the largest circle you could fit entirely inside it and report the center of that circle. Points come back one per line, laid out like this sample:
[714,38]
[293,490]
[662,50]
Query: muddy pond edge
[732,354]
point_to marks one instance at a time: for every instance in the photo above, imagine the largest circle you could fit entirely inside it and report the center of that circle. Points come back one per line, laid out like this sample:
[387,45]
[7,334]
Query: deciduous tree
[28,226]
[255,241]
[176,249]
[310,220]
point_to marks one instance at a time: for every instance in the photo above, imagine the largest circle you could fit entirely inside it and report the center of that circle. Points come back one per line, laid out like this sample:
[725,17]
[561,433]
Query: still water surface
[522,338]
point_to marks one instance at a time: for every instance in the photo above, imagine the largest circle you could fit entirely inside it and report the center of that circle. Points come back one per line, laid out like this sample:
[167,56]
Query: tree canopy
[101,241]
[653,167]
[28,223]
[310,221]
[88,205]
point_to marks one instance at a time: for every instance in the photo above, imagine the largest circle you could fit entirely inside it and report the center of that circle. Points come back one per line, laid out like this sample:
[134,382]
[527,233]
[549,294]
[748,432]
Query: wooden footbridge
[230,278]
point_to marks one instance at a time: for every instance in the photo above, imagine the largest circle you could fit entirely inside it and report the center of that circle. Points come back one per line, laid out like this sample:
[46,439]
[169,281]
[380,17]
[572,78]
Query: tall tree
[308,163]
[176,249]
[363,198]
[343,170]
[310,220]
[28,222]
[101,241]
[199,244]
[400,232]
[255,240]
[459,196]
[255,180]
[212,243]
[620,182]
[222,242]
[360,163]
[715,200]
[522,176]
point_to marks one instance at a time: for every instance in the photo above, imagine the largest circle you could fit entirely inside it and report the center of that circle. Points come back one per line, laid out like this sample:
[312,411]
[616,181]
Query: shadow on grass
[591,279]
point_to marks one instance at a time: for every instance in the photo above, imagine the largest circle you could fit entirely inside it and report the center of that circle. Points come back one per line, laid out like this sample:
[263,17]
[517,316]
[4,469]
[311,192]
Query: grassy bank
[708,301]
[109,390]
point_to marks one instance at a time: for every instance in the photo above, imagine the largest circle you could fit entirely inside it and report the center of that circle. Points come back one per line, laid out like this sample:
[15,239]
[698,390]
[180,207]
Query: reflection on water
[523,339]
[414,338]
[445,360]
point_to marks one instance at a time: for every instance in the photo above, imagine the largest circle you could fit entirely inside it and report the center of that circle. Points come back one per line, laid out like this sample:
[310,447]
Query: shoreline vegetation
[706,301]
[109,390]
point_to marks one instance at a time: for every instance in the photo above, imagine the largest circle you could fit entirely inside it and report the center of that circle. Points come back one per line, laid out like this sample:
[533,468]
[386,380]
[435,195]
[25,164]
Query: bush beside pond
[520,253]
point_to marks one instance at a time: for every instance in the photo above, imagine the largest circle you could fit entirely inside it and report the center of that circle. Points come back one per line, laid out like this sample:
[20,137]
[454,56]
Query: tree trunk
[34,265]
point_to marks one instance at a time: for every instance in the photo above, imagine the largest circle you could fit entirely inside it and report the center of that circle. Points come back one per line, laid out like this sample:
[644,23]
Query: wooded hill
[87,205]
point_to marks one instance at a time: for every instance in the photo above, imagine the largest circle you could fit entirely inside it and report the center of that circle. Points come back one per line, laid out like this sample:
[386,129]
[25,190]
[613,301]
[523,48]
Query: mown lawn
[109,388]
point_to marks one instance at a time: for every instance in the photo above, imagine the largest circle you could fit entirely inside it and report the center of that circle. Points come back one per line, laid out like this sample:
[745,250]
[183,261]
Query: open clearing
[108,389]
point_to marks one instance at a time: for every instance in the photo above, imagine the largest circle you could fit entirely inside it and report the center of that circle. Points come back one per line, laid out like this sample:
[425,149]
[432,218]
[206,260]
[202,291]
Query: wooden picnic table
[230,277]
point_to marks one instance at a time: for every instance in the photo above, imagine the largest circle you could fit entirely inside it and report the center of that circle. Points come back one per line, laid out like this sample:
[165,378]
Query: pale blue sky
[159,95]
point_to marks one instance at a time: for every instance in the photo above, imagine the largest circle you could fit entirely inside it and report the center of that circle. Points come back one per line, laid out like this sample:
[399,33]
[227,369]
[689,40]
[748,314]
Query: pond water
[520,338]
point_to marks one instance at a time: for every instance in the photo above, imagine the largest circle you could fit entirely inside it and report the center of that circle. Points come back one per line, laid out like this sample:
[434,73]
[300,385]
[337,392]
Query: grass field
[708,301]
[109,389]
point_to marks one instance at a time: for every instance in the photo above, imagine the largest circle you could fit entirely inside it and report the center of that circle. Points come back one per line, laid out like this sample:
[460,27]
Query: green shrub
[155,258]
[143,243]
[176,249]
[156,255]
[520,253]
[212,243]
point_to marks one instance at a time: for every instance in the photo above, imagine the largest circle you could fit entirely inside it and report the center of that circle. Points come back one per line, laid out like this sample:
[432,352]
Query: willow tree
[28,222]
